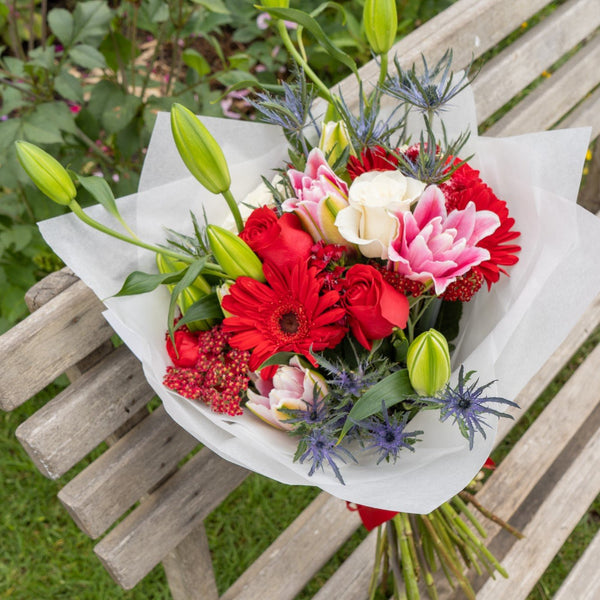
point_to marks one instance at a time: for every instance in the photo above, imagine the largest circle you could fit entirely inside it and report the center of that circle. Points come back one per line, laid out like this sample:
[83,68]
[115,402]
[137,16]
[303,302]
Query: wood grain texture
[583,582]
[351,580]
[41,347]
[49,287]
[469,27]
[556,96]
[546,532]
[299,552]
[73,423]
[538,49]
[115,481]
[189,568]
[161,521]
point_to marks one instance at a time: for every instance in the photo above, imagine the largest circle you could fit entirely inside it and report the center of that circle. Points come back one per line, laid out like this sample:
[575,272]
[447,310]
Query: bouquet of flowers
[344,317]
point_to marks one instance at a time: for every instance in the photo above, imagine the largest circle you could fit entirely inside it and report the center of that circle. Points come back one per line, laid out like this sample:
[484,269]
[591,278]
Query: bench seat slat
[300,551]
[538,49]
[553,98]
[49,287]
[49,341]
[469,27]
[115,481]
[162,520]
[583,582]
[73,423]
[547,531]
[587,113]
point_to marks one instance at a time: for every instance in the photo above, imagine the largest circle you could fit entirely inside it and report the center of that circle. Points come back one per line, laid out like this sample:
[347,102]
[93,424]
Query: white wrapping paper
[506,334]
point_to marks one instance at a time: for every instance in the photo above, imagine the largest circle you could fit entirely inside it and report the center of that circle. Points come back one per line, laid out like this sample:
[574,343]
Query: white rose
[374,197]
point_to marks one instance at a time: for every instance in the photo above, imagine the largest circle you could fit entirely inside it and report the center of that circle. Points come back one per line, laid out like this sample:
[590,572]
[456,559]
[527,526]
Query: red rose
[278,240]
[187,348]
[373,306]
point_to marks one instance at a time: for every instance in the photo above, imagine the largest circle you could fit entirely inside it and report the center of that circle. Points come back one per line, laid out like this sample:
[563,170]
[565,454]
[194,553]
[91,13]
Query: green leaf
[9,132]
[306,21]
[42,57]
[117,47]
[216,6]
[69,86]
[101,192]
[206,308]
[39,130]
[91,22]
[281,358]
[58,114]
[119,110]
[391,390]
[234,77]
[61,24]
[196,61]
[87,57]
[189,277]
[139,282]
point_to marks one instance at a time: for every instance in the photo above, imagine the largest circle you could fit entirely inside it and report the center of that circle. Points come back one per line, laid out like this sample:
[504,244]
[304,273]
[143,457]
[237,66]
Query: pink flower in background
[435,246]
[74,108]
[320,195]
[263,20]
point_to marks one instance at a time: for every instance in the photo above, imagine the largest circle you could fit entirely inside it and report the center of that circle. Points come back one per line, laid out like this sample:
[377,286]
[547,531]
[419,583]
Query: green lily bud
[276,3]
[46,172]
[199,150]
[381,24]
[428,363]
[222,291]
[191,294]
[334,140]
[233,254]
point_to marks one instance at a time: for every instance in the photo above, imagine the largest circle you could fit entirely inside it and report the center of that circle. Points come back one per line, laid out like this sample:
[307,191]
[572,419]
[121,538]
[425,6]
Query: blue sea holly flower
[466,404]
[318,447]
[390,436]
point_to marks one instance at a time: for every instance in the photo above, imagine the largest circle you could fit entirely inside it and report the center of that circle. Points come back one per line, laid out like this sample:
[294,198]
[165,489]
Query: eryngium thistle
[467,406]
[426,92]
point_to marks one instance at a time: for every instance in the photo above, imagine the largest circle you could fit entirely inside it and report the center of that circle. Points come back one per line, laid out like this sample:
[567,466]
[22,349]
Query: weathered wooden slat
[301,550]
[73,423]
[351,580]
[41,347]
[469,27]
[115,481]
[49,287]
[538,49]
[583,582]
[139,542]
[554,97]
[547,531]
[587,113]
[189,568]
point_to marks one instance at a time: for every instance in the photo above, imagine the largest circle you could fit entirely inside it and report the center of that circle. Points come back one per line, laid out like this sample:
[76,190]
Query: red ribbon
[371,517]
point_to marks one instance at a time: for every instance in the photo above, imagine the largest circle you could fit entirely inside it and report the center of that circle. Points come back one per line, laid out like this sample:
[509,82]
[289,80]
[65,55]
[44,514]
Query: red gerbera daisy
[465,186]
[371,159]
[287,314]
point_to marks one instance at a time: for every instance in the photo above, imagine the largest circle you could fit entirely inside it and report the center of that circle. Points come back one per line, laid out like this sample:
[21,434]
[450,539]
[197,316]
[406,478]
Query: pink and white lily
[433,246]
[293,387]
[320,195]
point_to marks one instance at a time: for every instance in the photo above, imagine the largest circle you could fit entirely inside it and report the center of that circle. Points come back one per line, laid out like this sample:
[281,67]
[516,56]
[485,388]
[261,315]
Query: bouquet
[358,308]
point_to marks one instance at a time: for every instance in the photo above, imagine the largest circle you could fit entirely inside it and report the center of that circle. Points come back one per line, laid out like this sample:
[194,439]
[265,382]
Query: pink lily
[435,246]
[320,195]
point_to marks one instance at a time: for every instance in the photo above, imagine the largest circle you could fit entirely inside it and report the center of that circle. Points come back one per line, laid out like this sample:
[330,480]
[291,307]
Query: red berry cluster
[464,288]
[407,286]
[220,376]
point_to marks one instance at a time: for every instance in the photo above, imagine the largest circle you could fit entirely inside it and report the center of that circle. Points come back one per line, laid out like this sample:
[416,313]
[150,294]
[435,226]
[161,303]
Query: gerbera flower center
[289,323]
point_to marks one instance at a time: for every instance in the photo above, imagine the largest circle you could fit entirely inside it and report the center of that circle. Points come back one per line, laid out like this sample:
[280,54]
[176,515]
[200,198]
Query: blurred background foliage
[84,80]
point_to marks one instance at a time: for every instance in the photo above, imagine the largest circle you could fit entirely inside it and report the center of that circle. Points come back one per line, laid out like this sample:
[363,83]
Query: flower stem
[289,45]
[78,211]
[468,497]
[235,209]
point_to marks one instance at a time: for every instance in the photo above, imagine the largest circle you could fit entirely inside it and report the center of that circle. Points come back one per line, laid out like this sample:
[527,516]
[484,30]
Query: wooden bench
[544,485]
